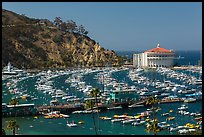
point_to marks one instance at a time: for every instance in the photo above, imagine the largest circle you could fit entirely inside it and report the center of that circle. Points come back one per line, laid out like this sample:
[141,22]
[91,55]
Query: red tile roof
[158,49]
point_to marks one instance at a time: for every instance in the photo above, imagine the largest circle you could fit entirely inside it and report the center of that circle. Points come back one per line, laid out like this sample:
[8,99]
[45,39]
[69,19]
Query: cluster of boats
[85,111]
[109,82]
[16,91]
[143,118]
[55,114]
[45,85]
[185,78]
[146,86]
[76,80]
[10,71]
[165,89]
[185,129]
[183,111]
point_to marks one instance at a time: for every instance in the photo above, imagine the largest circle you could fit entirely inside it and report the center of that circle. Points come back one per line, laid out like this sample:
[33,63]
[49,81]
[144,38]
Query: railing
[160,58]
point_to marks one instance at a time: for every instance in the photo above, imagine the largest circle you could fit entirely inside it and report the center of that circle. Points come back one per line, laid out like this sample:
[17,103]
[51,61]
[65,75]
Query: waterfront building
[18,110]
[156,57]
[10,70]
[124,95]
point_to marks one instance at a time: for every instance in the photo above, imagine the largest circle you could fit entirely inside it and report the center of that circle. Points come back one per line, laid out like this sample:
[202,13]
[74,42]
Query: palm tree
[153,126]
[152,101]
[13,101]
[94,93]
[12,126]
[89,105]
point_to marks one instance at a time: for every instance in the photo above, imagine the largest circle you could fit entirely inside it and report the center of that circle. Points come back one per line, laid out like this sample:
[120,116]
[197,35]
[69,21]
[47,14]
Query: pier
[62,108]
[67,108]
[171,101]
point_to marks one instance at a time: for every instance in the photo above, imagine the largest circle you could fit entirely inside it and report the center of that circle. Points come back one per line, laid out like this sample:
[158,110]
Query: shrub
[46,35]
[58,39]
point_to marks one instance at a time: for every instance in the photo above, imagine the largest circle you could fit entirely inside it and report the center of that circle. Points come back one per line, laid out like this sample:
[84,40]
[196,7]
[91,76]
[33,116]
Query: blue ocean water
[190,57]
[41,126]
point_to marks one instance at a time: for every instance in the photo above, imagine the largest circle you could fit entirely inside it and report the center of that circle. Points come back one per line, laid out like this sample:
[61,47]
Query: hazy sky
[129,26]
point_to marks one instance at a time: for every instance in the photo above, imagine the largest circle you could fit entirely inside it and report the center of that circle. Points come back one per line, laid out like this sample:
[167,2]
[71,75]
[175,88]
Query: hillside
[37,43]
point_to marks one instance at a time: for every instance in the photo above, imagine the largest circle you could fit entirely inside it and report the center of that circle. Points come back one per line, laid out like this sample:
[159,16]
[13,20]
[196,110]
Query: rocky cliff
[37,43]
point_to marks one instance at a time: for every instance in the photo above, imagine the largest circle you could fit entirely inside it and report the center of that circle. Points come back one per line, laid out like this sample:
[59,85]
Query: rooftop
[20,105]
[159,50]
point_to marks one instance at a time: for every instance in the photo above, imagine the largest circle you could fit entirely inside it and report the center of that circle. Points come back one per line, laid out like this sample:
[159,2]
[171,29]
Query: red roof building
[159,50]
[156,57]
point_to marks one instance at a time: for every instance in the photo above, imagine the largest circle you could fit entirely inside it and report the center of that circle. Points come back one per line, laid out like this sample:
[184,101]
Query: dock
[171,100]
[61,108]
[67,108]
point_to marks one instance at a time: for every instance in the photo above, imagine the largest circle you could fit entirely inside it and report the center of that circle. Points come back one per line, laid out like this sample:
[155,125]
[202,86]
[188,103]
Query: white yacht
[71,124]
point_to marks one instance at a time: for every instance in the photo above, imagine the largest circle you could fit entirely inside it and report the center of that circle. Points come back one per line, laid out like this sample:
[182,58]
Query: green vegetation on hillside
[40,43]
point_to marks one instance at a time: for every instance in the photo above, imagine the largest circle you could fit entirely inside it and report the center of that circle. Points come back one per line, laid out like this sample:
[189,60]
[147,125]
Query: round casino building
[153,58]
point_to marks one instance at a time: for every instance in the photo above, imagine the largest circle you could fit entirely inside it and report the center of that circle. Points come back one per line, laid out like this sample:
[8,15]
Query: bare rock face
[27,43]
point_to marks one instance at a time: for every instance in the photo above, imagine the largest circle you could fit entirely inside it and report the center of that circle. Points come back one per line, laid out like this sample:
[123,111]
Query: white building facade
[156,57]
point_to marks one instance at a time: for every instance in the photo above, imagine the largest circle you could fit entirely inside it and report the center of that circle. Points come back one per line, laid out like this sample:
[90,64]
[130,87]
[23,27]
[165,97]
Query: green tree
[12,125]
[81,29]
[152,101]
[14,101]
[95,92]
[57,22]
[89,104]
[153,126]
[86,32]
[63,27]
[58,39]
[71,26]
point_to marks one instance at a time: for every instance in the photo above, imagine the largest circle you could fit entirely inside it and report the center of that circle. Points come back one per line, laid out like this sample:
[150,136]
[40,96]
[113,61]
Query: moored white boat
[118,107]
[105,118]
[116,120]
[189,100]
[71,124]
[135,105]
[128,121]
[183,131]
[138,123]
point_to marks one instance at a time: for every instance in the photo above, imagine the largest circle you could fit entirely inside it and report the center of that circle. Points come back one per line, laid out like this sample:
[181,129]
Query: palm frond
[89,104]
[94,92]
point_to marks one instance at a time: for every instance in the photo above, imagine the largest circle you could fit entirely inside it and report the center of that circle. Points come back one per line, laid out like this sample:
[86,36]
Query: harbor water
[41,126]
[57,126]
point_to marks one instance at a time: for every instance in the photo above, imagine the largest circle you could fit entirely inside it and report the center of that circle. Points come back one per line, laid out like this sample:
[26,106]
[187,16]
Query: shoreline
[35,70]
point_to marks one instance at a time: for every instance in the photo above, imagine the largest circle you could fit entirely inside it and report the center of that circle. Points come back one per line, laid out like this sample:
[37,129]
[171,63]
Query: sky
[126,26]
